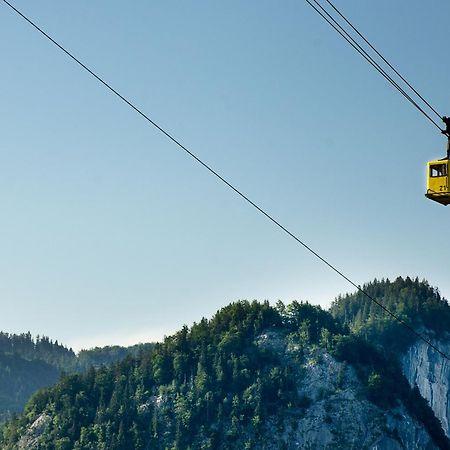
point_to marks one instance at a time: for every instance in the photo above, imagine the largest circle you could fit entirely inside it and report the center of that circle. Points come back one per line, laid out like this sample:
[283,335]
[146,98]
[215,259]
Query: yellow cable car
[438,188]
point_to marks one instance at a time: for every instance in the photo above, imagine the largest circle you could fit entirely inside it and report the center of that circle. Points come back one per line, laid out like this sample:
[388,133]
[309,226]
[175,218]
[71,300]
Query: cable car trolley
[438,188]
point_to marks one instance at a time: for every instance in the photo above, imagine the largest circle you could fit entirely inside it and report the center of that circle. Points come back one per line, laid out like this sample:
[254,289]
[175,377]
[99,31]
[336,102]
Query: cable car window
[438,170]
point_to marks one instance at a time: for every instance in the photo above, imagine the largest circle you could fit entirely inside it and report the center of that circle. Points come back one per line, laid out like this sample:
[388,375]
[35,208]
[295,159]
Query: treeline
[44,349]
[28,364]
[214,386]
[39,348]
[415,302]
[99,356]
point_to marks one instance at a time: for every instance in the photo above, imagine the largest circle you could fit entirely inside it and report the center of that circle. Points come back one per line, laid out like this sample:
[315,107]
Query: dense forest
[213,386]
[415,302]
[28,364]
[19,379]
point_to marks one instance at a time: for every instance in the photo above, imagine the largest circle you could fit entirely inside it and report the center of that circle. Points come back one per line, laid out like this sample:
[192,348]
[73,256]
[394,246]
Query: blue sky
[110,234]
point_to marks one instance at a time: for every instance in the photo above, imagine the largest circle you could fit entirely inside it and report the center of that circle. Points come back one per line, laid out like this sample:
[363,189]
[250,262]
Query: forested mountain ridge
[253,376]
[420,306]
[28,364]
[40,348]
[415,302]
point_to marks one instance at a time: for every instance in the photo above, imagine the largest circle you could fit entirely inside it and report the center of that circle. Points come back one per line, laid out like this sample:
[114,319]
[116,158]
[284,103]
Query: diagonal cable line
[339,29]
[229,185]
[383,58]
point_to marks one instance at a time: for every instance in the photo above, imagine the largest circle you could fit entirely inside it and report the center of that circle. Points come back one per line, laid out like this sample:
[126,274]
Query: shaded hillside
[253,376]
[40,348]
[19,379]
[99,356]
[28,364]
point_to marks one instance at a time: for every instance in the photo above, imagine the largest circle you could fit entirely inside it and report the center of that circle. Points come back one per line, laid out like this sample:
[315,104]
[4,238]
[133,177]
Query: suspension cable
[228,184]
[340,30]
[383,58]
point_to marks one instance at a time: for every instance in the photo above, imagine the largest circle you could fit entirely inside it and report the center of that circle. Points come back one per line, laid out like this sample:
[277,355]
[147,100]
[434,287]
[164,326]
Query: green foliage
[215,386]
[310,322]
[377,340]
[28,364]
[415,302]
[41,348]
[98,356]
[202,380]
[19,379]
[384,382]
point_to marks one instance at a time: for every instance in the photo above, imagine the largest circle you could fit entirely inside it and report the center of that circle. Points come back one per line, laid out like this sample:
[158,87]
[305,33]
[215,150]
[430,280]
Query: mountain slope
[19,379]
[420,306]
[252,377]
[28,364]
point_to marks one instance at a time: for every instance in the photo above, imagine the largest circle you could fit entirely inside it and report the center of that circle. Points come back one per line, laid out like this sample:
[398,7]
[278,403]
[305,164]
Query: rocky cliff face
[339,416]
[427,369]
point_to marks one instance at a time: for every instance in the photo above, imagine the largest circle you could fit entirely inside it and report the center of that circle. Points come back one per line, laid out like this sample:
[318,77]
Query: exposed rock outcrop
[338,416]
[426,368]
[29,441]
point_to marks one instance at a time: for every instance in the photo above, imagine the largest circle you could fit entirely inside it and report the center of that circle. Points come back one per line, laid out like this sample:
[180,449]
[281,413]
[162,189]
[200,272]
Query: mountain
[258,377]
[413,301]
[422,307]
[28,364]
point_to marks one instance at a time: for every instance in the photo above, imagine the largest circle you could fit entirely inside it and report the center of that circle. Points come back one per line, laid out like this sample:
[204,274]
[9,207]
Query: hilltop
[254,376]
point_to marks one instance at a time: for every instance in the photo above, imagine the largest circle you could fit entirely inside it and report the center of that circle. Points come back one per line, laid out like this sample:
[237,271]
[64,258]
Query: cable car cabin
[438,185]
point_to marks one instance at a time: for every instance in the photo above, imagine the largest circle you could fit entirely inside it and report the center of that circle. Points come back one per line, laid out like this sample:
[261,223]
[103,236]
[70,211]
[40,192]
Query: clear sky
[109,234]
